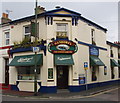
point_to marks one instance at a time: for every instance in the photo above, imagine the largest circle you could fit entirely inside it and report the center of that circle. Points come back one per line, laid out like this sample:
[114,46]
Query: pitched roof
[56,12]
[113,44]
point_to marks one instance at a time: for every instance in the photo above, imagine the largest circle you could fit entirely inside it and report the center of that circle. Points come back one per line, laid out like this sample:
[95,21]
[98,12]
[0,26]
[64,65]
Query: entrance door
[62,77]
[6,71]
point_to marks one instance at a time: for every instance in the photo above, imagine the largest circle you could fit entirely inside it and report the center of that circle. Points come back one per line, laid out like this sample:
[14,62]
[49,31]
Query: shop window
[62,30]
[93,36]
[111,51]
[27,73]
[112,73]
[94,77]
[7,38]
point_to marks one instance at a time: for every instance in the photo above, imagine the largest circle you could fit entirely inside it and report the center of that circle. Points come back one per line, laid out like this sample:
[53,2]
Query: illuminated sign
[62,46]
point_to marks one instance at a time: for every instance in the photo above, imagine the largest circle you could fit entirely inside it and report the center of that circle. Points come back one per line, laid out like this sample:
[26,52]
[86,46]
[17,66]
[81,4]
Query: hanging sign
[94,51]
[62,46]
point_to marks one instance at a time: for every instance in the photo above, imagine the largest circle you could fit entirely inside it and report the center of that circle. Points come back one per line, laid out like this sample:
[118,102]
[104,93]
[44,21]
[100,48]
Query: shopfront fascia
[63,51]
[95,62]
[24,66]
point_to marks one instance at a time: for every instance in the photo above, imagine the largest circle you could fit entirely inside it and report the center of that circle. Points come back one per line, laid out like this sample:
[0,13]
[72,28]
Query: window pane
[7,41]
[7,35]
[61,27]
[27,70]
[27,29]
[27,73]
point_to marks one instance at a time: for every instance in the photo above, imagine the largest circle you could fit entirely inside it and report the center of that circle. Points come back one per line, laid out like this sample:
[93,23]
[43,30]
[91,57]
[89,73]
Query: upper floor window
[7,38]
[62,30]
[111,51]
[27,31]
[93,36]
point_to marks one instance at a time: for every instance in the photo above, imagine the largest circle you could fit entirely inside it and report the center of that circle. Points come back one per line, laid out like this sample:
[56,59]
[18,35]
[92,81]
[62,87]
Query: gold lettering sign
[62,46]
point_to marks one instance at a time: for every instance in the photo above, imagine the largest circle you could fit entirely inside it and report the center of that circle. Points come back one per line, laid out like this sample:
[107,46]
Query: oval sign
[62,47]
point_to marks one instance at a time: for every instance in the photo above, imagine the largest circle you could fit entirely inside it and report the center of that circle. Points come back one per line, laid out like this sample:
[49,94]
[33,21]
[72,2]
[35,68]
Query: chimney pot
[57,7]
[4,15]
[5,18]
[40,10]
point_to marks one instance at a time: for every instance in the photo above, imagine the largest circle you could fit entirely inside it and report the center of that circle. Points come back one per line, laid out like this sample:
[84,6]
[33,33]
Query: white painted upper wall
[82,32]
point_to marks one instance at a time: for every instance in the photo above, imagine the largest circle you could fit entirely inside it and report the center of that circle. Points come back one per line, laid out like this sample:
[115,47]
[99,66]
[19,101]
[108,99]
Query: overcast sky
[103,13]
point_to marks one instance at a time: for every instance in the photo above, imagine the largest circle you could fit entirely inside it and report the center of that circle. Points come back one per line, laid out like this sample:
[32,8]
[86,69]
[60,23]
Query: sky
[103,13]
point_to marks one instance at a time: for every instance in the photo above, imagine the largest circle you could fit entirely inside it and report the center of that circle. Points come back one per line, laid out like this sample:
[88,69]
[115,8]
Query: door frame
[6,61]
[67,67]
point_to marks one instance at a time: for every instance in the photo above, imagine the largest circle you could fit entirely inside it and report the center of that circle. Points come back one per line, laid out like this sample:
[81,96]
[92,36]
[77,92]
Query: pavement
[61,94]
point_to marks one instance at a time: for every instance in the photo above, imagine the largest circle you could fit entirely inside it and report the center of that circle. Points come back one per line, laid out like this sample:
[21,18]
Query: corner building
[73,53]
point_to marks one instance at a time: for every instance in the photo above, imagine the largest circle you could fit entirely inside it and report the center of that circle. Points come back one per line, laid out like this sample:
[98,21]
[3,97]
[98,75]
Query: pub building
[73,52]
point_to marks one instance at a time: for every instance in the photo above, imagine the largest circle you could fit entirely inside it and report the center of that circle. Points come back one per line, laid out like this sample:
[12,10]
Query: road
[110,95]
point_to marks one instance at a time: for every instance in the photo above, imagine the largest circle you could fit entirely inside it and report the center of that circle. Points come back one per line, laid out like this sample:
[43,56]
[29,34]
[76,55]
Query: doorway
[6,71]
[62,77]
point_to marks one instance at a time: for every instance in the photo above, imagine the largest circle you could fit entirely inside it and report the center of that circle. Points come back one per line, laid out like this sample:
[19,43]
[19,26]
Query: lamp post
[35,70]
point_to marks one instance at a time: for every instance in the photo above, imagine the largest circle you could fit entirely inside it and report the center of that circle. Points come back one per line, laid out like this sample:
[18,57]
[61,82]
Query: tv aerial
[8,11]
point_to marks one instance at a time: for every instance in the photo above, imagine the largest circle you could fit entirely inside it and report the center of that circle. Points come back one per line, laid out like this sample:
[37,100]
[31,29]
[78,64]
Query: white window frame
[7,38]
[62,31]
[24,30]
[62,24]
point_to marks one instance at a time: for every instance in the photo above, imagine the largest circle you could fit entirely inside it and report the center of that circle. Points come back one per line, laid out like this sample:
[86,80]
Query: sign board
[36,49]
[62,46]
[85,65]
[94,51]
[81,78]
[50,73]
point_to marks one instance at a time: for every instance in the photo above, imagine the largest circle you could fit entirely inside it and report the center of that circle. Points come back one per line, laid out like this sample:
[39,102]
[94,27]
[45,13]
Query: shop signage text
[21,60]
[94,51]
[62,46]
[61,58]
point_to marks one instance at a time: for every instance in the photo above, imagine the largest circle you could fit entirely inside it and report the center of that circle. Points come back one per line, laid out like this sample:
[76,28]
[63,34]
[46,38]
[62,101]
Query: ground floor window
[94,77]
[27,73]
[112,73]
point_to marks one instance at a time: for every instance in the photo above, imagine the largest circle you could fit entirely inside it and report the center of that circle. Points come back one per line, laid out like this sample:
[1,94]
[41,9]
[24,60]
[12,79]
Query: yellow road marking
[98,93]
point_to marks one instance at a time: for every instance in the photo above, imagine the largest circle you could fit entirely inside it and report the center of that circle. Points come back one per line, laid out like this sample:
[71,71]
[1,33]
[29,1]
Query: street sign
[36,49]
[85,65]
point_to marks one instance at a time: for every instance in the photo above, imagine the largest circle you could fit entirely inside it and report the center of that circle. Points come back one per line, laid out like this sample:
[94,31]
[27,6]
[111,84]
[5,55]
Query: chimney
[40,10]
[57,7]
[117,42]
[5,18]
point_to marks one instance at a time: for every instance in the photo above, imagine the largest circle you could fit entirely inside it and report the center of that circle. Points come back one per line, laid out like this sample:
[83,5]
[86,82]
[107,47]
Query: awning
[113,63]
[27,60]
[63,59]
[95,61]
